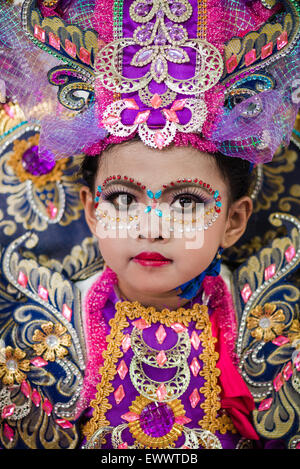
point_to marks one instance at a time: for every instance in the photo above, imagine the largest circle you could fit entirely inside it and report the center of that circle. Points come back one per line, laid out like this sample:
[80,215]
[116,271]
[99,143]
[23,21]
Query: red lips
[151,256]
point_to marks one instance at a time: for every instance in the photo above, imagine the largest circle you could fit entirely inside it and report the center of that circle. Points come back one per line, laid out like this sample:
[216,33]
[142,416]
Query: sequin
[126,343]
[36,398]
[47,407]
[8,432]
[246,292]
[43,293]
[130,416]
[287,371]
[22,279]
[250,57]
[280,340]
[39,33]
[160,334]
[267,50]
[231,63]
[161,392]
[278,382]
[38,362]
[282,40]
[8,411]
[161,358]
[195,341]
[290,253]
[25,388]
[195,367]
[122,369]
[67,312]
[270,271]
[63,423]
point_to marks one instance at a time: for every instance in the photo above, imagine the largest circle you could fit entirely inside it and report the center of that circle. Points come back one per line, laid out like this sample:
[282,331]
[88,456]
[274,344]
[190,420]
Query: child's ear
[88,203]
[237,219]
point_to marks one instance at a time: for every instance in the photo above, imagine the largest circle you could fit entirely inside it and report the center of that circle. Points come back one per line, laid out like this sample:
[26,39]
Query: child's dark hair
[236,172]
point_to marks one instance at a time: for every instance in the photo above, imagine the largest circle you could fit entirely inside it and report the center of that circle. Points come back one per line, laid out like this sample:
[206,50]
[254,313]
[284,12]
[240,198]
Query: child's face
[187,256]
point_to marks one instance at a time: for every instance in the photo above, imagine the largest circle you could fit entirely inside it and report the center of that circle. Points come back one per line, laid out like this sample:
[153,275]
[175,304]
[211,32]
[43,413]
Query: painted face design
[184,205]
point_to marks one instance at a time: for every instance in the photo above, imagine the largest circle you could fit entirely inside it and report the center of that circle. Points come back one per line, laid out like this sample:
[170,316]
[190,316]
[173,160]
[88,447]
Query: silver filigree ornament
[161,42]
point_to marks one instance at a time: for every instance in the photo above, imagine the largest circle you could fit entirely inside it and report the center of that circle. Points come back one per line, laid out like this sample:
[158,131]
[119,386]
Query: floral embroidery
[294,333]
[12,365]
[52,341]
[266,322]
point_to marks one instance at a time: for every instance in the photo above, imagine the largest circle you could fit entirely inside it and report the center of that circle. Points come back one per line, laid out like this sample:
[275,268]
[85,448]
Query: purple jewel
[157,419]
[144,34]
[176,33]
[33,164]
[160,39]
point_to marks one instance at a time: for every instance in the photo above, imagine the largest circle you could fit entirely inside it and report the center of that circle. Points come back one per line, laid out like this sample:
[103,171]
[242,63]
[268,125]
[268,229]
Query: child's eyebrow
[166,188]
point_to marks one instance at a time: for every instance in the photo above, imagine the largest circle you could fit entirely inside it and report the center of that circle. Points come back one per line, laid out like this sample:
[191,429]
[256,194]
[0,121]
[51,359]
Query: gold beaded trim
[133,310]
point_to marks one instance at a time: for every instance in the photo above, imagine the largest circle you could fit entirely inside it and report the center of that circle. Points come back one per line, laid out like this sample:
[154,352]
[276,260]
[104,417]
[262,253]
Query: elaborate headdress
[219,75]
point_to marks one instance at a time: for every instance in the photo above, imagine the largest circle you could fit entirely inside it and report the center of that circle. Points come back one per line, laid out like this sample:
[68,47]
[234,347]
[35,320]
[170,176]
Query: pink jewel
[111,120]
[25,388]
[246,292]
[161,392]
[126,343]
[177,327]
[278,382]
[43,293]
[267,50]
[39,33]
[178,105]
[160,334]
[250,57]
[195,341]
[8,432]
[131,103]
[282,40]
[195,367]
[119,394]
[185,447]
[298,446]
[159,139]
[141,324]
[270,271]
[7,411]
[63,423]
[194,398]
[130,417]
[296,359]
[182,420]
[170,115]
[84,55]
[122,369]
[156,101]
[54,41]
[265,404]
[52,210]
[67,312]
[70,48]
[280,340]
[290,253]
[36,398]
[231,63]
[161,358]
[22,279]
[123,445]
[39,362]
[142,117]
[287,371]
[47,407]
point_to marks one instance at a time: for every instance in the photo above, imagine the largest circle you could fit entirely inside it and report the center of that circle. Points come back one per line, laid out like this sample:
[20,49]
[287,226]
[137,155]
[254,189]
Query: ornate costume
[220,78]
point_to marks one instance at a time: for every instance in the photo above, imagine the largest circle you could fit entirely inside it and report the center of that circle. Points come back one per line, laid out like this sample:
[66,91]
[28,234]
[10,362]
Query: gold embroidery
[111,355]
